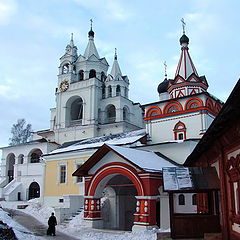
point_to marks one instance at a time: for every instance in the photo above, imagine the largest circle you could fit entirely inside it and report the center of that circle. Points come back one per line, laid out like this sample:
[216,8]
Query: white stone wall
[27,172]
[196,123]
[188,207]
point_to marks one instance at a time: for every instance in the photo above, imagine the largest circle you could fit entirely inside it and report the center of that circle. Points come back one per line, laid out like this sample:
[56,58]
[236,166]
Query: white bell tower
[89,102]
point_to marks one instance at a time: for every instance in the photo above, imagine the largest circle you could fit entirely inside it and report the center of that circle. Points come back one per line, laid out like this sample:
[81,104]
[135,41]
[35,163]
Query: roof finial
[115,55]
[183,25]
[91,23]
[165,69]
[91,32]
[71,36]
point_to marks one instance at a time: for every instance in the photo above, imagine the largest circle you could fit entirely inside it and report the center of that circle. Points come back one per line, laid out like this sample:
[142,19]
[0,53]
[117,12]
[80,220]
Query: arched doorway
[118,203]
[10,166]
[34,190]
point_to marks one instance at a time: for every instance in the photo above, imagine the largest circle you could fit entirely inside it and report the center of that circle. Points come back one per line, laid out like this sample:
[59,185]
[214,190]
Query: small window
[61,200]
[111,114]
[74,69]
[81,75]
[126,92]
[62,174]
[103,92]
[125,113]
[109,91]
[194,199]
[92,73]
[20,159]
[180,136]
[65,69]
[103,77]
[118,90]
[181,199]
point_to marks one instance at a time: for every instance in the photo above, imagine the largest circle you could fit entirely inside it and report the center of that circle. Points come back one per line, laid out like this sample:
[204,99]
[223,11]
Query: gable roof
[144,160]
[229,113]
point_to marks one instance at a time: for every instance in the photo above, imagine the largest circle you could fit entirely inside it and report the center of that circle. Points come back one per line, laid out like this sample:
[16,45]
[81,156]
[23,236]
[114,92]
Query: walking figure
[52,222]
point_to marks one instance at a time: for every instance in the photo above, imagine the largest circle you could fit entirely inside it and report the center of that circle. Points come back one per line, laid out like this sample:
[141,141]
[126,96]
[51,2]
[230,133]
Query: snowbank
[75,227]
[20,231]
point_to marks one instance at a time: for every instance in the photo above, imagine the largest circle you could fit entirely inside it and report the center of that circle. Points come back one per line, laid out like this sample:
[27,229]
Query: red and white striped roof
[185,65]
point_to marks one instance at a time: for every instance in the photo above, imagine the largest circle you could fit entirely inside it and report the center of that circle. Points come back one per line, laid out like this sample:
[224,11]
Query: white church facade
[93,122]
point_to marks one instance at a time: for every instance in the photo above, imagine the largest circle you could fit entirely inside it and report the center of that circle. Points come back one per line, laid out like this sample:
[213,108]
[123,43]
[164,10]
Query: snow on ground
[20,231]
[75,227]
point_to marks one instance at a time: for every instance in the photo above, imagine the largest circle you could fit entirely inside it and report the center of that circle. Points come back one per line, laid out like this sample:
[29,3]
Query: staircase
[67,220]
[9,192]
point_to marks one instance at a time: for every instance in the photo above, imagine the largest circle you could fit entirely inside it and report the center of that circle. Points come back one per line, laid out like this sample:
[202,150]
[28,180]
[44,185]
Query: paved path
[35,226]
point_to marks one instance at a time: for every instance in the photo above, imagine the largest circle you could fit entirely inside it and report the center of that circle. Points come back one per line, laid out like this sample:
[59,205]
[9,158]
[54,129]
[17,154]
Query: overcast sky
[34,35]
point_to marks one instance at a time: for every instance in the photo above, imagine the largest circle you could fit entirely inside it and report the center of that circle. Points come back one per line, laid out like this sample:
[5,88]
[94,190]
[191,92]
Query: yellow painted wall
[52,186]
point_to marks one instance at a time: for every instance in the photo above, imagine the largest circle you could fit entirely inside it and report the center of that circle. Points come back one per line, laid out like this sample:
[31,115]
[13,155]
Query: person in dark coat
[52,222]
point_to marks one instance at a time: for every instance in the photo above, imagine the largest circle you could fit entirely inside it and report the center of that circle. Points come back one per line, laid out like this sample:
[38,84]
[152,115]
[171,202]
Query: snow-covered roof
[146,160]
[115,139]
[143,160]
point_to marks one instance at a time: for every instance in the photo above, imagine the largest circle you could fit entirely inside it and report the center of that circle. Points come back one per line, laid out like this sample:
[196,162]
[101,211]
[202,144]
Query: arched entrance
[119,193]
[10,166]
[118,203]
[34,190]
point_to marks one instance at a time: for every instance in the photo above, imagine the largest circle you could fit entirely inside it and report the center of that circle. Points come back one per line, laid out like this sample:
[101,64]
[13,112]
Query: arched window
[194,199]
[20,159]
[103,91]
[109,91]
[125,114]
[76,112]
[111,114]
[118,90]
[92,73]
[81,75]
[180,131]
[10,166]
[74,69]
[181,199]
[65,68]
[103,76]
[180,136]
[35,156]
[126,92]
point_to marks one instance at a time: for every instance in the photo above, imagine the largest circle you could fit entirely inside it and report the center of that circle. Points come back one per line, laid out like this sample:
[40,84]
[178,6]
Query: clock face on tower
[64,85]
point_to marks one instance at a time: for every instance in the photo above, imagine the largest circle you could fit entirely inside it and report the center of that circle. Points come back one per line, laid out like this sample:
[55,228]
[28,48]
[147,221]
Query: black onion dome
[163,86]
[91,33]
[184,39]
